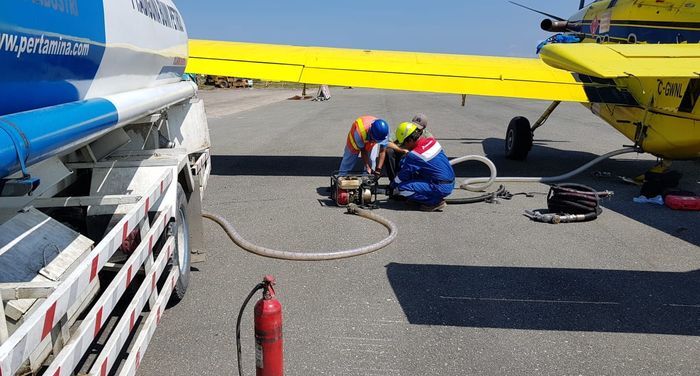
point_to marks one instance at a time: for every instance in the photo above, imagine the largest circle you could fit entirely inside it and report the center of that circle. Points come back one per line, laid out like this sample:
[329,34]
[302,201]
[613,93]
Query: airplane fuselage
[666,121]
[639,21]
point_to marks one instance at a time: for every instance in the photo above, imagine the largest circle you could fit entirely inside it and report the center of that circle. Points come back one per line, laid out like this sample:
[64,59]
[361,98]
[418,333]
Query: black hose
[575,199]
[488,197]
[259,286]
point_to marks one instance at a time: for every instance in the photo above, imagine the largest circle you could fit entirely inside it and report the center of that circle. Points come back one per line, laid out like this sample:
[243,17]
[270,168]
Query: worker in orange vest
[367,140]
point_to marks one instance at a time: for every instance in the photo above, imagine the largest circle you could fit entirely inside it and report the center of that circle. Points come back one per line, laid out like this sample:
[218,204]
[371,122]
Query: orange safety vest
[360,128]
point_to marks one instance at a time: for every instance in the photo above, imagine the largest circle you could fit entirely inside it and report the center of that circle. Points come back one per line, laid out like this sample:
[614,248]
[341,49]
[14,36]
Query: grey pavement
[476,289]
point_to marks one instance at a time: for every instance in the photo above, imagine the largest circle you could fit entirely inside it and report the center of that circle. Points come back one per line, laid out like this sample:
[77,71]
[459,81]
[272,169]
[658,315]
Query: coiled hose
[490,196]
[575,199]
[474,187]
[301,256]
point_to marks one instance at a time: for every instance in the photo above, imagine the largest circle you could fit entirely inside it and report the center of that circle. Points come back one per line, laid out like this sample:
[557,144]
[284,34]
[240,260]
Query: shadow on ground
[548,299]
[266,165]
[545,161]
[542,160]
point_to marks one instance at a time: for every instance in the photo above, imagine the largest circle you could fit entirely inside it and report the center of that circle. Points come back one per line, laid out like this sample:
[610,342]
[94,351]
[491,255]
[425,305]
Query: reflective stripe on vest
[358,127]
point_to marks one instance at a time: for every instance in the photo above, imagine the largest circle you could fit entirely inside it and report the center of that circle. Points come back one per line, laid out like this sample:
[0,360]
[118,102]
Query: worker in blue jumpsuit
[425,176]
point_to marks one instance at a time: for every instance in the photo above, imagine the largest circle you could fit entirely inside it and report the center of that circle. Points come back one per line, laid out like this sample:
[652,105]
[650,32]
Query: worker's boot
[432,208]
[395,194]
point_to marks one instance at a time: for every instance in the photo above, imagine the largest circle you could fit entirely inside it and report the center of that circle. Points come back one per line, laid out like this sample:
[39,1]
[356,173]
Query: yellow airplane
[641,74]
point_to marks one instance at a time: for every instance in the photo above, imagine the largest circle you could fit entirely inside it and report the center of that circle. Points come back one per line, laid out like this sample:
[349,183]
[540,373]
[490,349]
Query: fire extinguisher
[268,331]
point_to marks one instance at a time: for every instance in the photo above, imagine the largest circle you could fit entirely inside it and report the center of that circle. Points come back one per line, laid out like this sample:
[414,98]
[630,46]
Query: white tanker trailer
[104,153]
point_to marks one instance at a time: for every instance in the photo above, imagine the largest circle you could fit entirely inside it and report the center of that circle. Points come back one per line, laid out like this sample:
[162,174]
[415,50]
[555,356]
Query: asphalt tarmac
[475,290]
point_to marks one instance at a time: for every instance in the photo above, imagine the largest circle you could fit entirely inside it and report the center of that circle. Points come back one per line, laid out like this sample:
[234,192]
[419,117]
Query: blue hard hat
[379,130]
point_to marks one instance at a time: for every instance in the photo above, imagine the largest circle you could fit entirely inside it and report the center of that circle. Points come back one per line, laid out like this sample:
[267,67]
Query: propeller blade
[537,11]
[581,5]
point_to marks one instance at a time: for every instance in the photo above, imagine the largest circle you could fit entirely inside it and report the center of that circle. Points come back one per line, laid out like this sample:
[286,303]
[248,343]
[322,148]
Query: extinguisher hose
[259,286]
[303,256]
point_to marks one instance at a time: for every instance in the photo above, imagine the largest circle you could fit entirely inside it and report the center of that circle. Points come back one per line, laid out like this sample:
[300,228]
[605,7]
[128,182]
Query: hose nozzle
[544,218]
[268,289]
[353,209]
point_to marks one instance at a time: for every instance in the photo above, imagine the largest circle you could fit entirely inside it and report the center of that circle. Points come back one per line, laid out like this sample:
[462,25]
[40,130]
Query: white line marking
[528,300]
[363,339]
[684,305]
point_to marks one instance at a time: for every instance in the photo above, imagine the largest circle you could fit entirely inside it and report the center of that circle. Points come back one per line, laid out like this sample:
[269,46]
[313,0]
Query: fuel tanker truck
[104,155]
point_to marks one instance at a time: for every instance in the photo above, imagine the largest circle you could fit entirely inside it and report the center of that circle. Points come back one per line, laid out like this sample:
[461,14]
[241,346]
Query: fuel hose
[303,256]
[490,197]
[481,184]
[474,184]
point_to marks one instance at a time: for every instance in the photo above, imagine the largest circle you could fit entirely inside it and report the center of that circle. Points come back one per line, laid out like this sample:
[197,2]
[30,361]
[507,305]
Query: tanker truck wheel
[181,255]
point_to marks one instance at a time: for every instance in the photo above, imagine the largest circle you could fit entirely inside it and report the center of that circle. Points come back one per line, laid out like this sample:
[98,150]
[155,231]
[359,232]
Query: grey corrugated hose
[484,183]
[301,256]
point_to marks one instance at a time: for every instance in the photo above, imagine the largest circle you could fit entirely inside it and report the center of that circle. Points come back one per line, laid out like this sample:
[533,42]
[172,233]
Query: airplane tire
[518,139]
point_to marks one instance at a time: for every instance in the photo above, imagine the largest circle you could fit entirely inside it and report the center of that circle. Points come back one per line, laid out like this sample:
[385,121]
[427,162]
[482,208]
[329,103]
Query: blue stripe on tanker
[53,56]
[52,129]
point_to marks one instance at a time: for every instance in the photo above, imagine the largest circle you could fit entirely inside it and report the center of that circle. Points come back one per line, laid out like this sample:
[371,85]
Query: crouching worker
[366,141]
[394,152]
[425,176]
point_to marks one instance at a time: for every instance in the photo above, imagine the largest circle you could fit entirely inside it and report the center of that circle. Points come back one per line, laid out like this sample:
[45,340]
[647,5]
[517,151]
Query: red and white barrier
[126,324]
[82,338]
[17,349]
[202,168]
[146,332]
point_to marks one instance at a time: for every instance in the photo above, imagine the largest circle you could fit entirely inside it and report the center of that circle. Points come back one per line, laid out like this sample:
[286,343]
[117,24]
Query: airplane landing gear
[519,135]
[518,139]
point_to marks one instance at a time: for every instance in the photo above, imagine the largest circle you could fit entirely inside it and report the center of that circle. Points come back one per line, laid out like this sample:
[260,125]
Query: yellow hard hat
[404,130]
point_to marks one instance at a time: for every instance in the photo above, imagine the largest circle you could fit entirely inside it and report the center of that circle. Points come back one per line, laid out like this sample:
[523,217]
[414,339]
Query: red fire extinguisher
[268,331]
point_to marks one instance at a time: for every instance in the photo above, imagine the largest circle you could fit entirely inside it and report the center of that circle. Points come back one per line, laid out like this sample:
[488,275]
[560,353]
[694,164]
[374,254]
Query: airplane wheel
[518,139]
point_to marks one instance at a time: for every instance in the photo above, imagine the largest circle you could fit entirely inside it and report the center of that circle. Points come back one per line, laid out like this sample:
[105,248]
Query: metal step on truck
[104,155]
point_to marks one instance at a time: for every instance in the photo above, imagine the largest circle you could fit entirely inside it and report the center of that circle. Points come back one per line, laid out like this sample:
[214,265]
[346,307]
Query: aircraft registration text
[670,89]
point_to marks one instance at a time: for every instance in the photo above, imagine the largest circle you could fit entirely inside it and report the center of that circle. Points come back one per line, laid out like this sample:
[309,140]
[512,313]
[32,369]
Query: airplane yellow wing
[624,60]
[442,73]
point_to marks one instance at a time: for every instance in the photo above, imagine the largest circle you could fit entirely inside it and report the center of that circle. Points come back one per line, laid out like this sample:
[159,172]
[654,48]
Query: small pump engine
[354,189]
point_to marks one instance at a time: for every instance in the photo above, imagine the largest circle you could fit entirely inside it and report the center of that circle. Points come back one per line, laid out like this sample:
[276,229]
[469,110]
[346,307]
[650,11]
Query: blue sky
[486,27]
